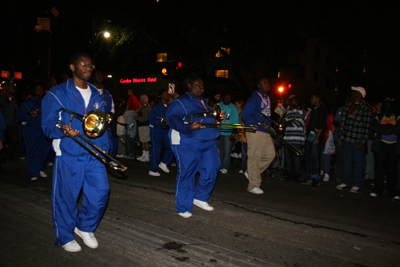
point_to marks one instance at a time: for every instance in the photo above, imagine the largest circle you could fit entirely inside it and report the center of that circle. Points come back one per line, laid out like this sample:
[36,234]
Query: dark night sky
[365,24]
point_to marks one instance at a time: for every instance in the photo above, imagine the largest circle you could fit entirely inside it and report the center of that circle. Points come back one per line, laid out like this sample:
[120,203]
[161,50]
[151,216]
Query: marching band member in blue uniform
[38,149]
[159,136]
[75,168]
[194,147]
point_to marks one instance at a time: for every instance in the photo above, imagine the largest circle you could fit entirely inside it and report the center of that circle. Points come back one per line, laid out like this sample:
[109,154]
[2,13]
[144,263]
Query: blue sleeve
[250,115]
[51,112]
[175,115]
[153,120]
[23,113]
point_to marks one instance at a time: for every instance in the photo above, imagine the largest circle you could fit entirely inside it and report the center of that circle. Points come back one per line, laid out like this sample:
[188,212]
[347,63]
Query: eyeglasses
[90,66]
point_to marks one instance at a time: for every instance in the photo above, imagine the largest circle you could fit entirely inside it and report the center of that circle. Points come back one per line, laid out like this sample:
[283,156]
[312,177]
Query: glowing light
[139,80]
[280,89]
[164,71]
[106,34]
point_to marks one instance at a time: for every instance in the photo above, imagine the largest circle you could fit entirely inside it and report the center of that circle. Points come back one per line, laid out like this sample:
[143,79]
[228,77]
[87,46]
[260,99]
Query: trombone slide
[93,152]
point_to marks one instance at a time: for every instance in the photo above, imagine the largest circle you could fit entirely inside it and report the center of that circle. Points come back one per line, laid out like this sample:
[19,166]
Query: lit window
[222,73]
[279,74]
[162,57]
[226,50]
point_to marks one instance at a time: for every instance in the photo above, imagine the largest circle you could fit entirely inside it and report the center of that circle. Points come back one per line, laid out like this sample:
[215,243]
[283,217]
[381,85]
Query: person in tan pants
[261,149]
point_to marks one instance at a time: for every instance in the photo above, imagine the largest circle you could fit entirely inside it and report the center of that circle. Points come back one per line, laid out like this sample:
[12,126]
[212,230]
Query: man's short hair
[191,78]
[161,91]
[74,58]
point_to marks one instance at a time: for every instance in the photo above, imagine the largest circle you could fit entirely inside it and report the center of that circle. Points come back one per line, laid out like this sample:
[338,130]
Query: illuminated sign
[17,75]
[5,74]
[139,80]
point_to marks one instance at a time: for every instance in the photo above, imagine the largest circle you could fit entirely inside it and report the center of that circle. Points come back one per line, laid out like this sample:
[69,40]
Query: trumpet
[280,139]
[94,124]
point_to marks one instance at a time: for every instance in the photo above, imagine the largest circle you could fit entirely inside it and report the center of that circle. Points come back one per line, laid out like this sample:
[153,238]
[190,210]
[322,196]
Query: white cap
[359,89]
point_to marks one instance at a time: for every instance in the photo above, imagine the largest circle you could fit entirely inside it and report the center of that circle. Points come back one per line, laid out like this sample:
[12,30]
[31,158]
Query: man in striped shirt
[353,135]
[295,135]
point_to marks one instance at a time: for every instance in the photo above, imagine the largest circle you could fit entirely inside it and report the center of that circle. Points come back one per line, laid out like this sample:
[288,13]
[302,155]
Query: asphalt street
[289,225]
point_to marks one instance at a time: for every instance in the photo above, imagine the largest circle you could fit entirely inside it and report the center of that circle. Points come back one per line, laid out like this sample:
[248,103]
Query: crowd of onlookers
[354,142]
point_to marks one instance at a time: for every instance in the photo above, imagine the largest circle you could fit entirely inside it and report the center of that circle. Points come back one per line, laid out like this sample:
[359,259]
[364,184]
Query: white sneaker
[50,164]
[234,155]
[163,167]
[113,163]
[373,194]
[72,246]
[88,238]
[354,189]
[202,204]
[257,191]
[342,186]
[241,171]
[43,174]
[185,214]
[246,174]
[120,156]
[326,177]
[140,158]
[396,197]
[33,178]
[154,173]
[224,171]
[145,159]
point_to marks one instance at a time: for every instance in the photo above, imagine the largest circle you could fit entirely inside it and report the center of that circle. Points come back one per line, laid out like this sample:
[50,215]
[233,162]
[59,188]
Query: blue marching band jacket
[180,132]
[67,96]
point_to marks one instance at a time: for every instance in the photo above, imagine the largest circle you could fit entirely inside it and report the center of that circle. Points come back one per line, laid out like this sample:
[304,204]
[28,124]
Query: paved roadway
[290,225]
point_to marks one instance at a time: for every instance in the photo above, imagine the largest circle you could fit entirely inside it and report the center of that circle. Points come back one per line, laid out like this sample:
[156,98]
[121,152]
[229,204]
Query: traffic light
[164,71]
[280,89]
[178,65]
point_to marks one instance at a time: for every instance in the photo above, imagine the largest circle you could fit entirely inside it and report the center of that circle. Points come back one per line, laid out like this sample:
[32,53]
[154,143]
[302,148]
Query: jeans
[339,160]
[313,158]
[352,155]
[225,147]
[370,164]
[386,163]
[325,162]
[292,161]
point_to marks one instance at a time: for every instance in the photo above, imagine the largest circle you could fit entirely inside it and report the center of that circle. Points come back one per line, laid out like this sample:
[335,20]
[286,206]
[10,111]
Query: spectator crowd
[351,143]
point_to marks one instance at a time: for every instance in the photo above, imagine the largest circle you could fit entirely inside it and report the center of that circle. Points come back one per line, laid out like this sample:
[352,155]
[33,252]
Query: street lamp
[106,34]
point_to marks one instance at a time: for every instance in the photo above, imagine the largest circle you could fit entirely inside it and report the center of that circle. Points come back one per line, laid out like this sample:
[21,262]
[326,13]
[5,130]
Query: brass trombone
[279,138]
[278,126]
[217,115]
[94,124]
